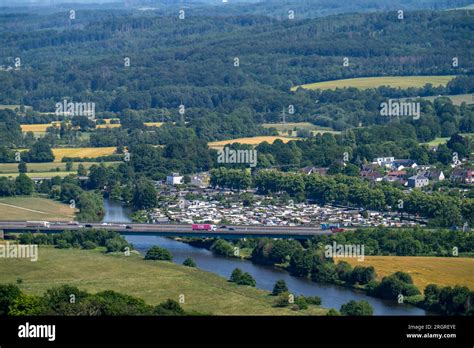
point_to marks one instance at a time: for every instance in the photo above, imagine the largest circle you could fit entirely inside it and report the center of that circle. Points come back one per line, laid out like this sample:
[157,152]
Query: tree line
[57,301]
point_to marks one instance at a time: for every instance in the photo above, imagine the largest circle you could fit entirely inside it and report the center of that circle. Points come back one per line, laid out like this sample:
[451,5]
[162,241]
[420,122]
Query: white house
[174,179]
[384,161]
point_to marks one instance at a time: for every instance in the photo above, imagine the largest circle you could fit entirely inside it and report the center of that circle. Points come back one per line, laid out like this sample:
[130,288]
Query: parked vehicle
[204,227]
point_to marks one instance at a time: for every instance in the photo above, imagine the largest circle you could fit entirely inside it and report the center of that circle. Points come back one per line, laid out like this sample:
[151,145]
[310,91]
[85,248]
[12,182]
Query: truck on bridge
[38,224]
[203,227]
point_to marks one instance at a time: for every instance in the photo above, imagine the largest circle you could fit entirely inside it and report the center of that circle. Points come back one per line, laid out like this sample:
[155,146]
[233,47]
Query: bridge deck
[172,230]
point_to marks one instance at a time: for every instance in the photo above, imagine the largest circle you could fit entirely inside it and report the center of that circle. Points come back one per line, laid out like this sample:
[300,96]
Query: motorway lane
[171,228]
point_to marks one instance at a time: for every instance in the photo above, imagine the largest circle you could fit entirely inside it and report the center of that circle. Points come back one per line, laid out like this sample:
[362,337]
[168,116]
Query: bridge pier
[2,235]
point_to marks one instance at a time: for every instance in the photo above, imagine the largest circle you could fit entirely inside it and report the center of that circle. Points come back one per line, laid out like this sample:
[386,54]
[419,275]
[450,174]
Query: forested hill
[192,61]
[271,8]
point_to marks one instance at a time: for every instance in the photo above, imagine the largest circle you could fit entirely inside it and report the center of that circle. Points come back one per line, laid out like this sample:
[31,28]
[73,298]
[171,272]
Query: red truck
[336,229]
[203,227]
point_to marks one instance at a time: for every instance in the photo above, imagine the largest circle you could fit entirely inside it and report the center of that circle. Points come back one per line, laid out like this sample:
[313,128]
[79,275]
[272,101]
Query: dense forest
[191,62]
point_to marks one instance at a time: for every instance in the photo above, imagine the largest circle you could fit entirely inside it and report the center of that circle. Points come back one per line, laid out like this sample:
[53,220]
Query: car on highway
[128,227]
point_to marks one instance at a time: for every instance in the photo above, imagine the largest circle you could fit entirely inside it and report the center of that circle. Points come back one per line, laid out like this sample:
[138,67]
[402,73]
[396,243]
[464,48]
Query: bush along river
[332,296]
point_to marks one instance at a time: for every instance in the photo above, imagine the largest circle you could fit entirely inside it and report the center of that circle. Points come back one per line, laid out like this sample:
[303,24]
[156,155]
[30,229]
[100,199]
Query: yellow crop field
[82,152]
[34,127]
[153,124]
[108,120]
[249,141]
[38,127]
[374,82]
[108,125]
[442,271]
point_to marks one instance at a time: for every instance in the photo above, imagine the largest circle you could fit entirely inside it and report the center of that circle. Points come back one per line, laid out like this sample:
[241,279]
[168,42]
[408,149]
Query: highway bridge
[169,230]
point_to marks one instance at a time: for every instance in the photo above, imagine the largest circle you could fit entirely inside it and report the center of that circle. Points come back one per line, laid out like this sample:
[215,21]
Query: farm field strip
[249,141]
[82,152]
[424,270]
[14,206]
[35,168]
[374,82]
[24,208]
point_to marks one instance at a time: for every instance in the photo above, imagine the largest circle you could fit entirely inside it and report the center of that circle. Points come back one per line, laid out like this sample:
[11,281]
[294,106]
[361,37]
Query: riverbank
[333,296]
[153,281]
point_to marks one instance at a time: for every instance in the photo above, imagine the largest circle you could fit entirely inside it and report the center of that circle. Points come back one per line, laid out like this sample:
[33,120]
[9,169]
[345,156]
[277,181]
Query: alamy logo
[75,109]
[37,331]
[230,156]
[19,251]
[399,108]
[344,250]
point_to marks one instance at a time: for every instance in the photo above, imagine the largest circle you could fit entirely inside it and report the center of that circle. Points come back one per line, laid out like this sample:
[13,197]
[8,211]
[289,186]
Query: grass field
[117,125]
[13,107]
[153,281]
[82,152]
[283,128]
[438,141]
[249,141]
[424,270]
[39,174]
[374,82]
[291,126]
[34,208]
[457,99]
[35,168]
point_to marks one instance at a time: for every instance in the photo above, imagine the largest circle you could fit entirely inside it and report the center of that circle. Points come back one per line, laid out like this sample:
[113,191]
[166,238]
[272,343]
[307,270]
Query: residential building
[174,179]
[401,164]
[384,161]
[371,175]
[417,181]
[462,175]
[314,170]
[435,175]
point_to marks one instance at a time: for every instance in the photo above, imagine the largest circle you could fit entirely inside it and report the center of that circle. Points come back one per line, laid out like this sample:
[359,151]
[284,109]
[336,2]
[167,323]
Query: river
[332,296]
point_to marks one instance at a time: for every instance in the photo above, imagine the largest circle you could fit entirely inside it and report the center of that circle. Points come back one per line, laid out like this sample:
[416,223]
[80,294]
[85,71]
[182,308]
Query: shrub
[189,262]
[333,312]
[354,308]
[222,247]
[157,253]
[242,278]
[8,293]
[279,287]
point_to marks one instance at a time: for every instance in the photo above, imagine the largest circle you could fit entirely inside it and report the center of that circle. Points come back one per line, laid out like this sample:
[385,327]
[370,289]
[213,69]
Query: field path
[34,211]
